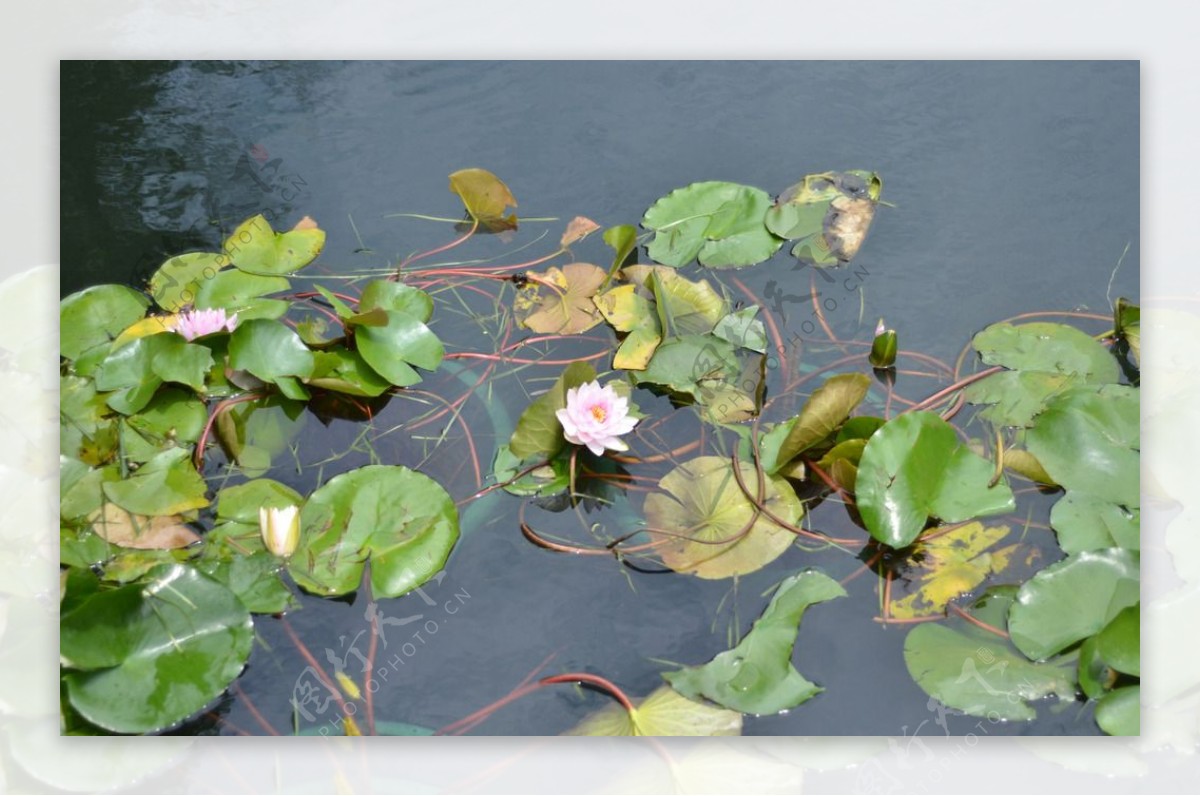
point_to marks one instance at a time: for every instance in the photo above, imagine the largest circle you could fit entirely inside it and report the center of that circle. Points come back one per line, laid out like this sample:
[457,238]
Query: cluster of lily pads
[163,567]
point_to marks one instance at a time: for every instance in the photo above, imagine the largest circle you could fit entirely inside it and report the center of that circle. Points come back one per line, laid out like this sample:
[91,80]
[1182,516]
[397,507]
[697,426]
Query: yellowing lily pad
[952,564]
[560,300]
[663,713]
[627,311]
[486,197]
[715,531]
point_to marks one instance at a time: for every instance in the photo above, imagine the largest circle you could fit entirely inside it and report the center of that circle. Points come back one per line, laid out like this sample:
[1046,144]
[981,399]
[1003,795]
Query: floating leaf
[1047,348]
[94,317]
[167,484]
[951,564]
[683,362]
[241,503]
[269,350]
[1073,599]
[829,213]
[1025,464]
[1119,712]
[399,520]
[486,198]
[241,294]
[716,532]
[663,713]
[176,283]
[178,640]
[1127,323]
[560,300]
[549,479]
[538,431]
[721,223]
[969,669]
[757,675]
[117,526]
[685,307]
[825,410]
[913,468]
[395,348]
[1087,522]
[1016,397]
[1095,678]
[345,371]
[578,229]
[1088,440]
[743,330]
[386,295]
[255,248]
[623,240]
[627,311]
[1119,643]
[254,579]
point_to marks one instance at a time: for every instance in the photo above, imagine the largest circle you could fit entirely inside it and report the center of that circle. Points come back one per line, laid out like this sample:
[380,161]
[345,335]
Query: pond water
[1014,185]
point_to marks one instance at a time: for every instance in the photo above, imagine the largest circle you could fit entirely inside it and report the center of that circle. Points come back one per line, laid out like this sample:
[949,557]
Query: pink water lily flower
[596,416]
[198,323]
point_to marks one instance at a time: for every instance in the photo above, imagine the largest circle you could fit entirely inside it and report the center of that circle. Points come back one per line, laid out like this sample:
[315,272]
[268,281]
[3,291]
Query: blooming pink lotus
[596,416]
[198,323]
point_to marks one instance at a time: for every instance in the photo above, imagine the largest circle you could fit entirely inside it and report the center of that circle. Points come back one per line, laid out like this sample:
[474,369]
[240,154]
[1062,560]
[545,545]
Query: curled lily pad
[560,300]
[757,675]
[825,410]
[663,713]
[578,229]
[719,223]
[715,530]
[486,197]
[399,521]
[913,468]
[538,431]
[1119,712]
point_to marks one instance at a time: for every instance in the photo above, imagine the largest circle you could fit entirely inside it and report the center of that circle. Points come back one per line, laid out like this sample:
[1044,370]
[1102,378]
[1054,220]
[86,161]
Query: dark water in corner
[1016,189]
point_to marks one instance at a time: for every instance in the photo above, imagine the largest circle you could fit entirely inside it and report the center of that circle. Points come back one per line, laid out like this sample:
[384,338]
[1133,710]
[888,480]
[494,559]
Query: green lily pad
[715,530]
[94,317]
[255,248]
[622,239]
[663,713]
[387,295]
[1075,598]
[255,579]
[241,503]
[720,223]
[685,307]
[743,330]
[681,363]
[241,293]
[399,520]
[345,371]
[538,432]
[969,669]
[269,350]
[1047,348]
[176,283]
[176,640]
[913,468]
[1119,712]
[1095,678]
[1119,643]
[825,410]
[1016,397]
[400,345]
[757,675]
[1127,323]
[167,484]
[549,479]
[1088,522]
[1088,440]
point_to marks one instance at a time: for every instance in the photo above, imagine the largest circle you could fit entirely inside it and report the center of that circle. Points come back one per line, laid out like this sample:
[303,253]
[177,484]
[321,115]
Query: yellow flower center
[599,413]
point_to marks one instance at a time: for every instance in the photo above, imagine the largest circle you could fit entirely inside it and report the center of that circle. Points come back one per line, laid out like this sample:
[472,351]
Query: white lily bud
[280,529]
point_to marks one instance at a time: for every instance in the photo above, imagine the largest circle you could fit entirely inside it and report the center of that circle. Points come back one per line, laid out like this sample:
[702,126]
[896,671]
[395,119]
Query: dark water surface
[1016,189]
